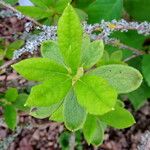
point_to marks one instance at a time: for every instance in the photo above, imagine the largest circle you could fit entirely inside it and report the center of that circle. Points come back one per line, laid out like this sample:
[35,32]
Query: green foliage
[92,94]
[133,6]
[11,94]
[6,51]
[139,96]
[74,114]
[123,78]
[12,2]
[72,89]
[46,12]
[104,9]
[92,52]
[10,116]
[146,68]
[70,42]
[107,59]
[64,139]
[93,130]
[50,49]
[42,69]
[124,118]
[11,102]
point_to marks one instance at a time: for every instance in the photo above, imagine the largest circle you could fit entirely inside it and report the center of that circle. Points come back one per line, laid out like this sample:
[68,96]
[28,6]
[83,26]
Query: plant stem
[72,142]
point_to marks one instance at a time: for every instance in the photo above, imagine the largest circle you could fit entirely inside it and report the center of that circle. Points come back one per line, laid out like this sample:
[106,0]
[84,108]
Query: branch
[19,14]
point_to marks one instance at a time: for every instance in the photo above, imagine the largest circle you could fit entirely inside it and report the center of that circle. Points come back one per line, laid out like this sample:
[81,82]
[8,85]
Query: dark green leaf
[146,68]
[11,94]
[104,9]
[10,116]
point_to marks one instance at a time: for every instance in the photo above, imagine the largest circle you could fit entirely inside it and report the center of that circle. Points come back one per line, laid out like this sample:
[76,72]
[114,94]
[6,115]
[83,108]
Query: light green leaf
[104,9]
[44,112]
[39,69]
[10,116]
[92,54]
[11,94]
[140,96]
[70,38]
[74,114]
[58,115]
[120,103]
[34,12]
[119,118]
[50,49]
[95,94]
[116,56]
[146,68]
[50,92]
[93,130]
[104,60]
[123,78]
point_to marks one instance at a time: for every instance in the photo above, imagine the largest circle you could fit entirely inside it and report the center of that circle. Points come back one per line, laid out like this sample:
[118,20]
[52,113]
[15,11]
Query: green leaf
[12,47]
[39,69]
[95,94]
[104,9]
[50,49]
[82,15]
[116,56]
[146,68]
[11,94]
[58,115]
[123,78]
[40,3]
[104,60]
[10,116]
[50,92]
[70,37]
[20,101]
[93,130]
[124,118]
[12,2]
[92,54]
[74,114]
[140,96]
[61,5]
[44,112]
[34,12]
[133,8]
